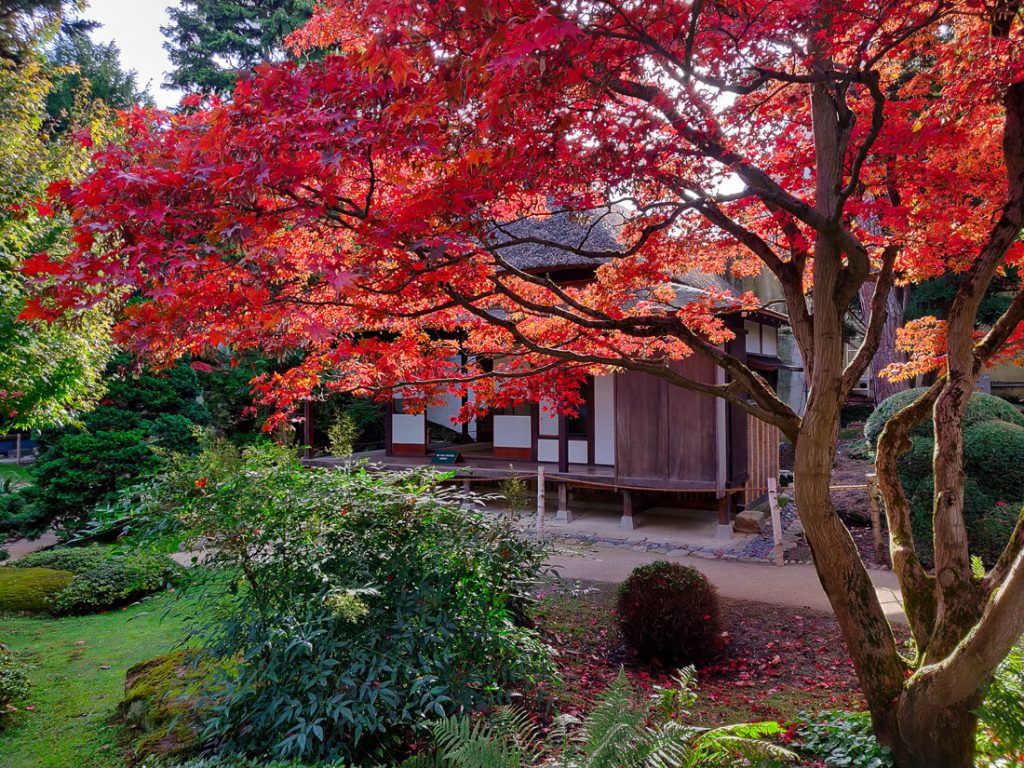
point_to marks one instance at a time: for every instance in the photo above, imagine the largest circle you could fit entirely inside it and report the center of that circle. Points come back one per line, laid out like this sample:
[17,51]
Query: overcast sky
[135,26]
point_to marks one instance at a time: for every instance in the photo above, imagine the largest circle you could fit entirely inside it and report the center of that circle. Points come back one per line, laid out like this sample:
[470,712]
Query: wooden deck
[481,468]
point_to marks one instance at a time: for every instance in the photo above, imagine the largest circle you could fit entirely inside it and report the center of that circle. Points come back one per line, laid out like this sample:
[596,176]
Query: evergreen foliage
[212,42]
[993,466]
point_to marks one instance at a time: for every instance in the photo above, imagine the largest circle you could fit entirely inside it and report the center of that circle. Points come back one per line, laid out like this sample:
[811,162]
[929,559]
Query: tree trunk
[926,737]
[882,388]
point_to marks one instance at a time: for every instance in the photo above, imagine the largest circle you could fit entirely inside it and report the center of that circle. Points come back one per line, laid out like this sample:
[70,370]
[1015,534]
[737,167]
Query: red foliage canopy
[350,204]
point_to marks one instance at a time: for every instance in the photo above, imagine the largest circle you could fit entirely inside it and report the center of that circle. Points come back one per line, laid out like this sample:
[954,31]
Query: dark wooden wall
[663,432]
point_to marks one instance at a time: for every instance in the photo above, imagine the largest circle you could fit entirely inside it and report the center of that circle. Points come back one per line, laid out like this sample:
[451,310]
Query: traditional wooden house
[636,434]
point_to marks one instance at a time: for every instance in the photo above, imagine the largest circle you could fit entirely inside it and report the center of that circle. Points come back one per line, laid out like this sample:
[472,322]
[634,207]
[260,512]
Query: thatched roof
[584,237]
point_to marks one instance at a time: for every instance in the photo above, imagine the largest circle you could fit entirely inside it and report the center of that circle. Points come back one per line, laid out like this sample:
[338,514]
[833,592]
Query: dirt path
[794,585]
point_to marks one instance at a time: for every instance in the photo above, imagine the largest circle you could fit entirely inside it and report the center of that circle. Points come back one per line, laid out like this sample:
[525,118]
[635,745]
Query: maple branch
[915,583]
[769,407]
[789,274]
[872,80]
[731,391]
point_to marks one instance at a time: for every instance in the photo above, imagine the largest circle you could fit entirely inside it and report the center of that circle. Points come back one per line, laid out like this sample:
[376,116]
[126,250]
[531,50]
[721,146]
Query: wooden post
[876,517]
[17,448]
[724,529]
[564,514]
[773,505]
[307,429]
[628,507]
[540,502]
[563,443]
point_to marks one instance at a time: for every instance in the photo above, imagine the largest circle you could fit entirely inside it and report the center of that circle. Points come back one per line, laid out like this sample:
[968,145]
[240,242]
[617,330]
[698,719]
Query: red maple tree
[357,205]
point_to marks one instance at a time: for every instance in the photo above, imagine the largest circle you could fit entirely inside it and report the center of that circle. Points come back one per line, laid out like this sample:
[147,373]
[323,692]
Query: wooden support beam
[726,506]
[628,508]
[563,443]
[564,514]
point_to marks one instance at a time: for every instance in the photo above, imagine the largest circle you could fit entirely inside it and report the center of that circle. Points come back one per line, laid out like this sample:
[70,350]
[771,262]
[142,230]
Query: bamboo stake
[773,504]
[540,502]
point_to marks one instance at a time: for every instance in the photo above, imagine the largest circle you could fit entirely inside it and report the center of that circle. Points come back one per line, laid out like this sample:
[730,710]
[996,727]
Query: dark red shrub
[669,612]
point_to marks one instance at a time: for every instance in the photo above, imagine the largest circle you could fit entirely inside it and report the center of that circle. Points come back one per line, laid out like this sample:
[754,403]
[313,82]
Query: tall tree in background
[48,372]
[22,22]
[377,188]
[211,42]
[81,69]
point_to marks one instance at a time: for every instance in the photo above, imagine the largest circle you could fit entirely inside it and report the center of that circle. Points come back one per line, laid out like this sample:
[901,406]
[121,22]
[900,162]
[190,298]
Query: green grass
[77,670]
[19,474]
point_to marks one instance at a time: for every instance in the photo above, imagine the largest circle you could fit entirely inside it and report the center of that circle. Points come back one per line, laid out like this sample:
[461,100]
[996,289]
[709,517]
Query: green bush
[74,559]
[14,683]
[669,612]
[840,738]
[29,590]
[87,465]
[104,578]
[83,469]
[1002,713]
[366,603]
[980,408]
[175,433]
[993,465]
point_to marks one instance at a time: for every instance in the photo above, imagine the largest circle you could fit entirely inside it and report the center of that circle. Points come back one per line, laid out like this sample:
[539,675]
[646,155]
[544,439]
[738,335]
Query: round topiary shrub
[30,590]
[980,409]
[669,612]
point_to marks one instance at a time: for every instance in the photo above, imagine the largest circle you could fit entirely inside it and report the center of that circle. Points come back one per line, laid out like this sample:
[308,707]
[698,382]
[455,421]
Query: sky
[135,26]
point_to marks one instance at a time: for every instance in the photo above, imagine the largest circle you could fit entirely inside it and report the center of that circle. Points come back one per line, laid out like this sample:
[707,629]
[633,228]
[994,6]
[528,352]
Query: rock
[749,521]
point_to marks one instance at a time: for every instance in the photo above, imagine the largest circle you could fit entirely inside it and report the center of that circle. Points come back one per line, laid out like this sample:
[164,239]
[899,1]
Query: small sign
[446,457]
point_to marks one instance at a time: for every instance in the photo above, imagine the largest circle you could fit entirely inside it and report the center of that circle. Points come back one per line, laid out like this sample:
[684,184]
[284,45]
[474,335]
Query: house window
[578,427]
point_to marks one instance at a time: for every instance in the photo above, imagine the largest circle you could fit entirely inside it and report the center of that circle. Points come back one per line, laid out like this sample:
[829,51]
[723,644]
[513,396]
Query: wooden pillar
[628,508]
[17,448]
[725,508]
[564,514]
[307,428]
[389,411]
[563,443]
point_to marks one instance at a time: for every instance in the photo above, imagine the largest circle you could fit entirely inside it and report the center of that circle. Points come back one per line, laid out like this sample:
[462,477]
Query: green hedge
[980,409]
[993,465]
[104,578]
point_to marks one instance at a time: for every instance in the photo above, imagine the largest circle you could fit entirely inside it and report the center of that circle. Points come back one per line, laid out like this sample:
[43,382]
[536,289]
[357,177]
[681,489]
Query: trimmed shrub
[993,465]
[980,408]
[74,559]
[14,683]
[669,612]
[29,590]
[113,582]
[104,578]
